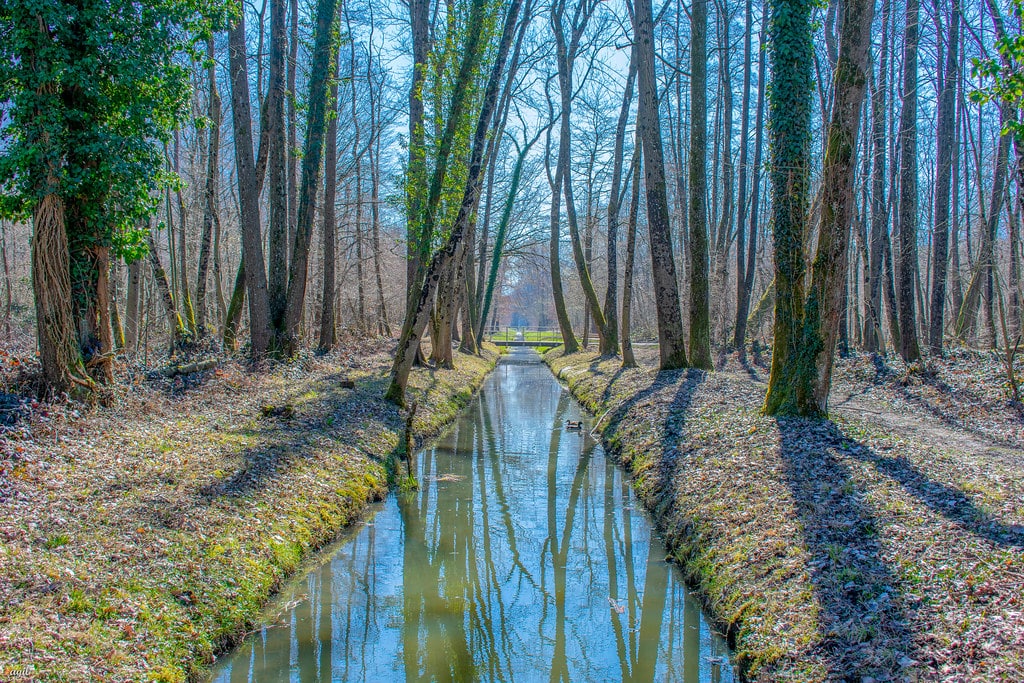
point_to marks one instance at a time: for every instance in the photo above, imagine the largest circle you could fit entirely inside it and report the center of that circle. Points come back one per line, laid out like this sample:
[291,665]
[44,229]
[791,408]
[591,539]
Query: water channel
[523,556]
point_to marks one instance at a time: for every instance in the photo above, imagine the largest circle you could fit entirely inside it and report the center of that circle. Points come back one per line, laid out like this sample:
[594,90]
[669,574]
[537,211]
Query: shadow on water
[522,556]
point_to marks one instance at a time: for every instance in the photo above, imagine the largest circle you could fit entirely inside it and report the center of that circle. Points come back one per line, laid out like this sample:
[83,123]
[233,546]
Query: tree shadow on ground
[941,498]
[677,408]
[686,383]
[855,588]
[338,414]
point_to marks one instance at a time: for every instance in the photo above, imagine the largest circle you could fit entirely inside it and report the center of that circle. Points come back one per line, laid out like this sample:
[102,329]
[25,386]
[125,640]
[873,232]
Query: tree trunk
[908,347]
[383,326]
[700,328]
[790,137]
[324,56]
[565,56]
[983,276]
[943,176]
[328,324]
[132,309]
[725,234]
[666,287]
[569,343]
[416,317]
[115,314]
[187,309]
[628,359]
[277,199]
[210,195]
[746,288]
[611,298]
[292,100]
[252,270]
[233,316]
[879,209]
[174,323]
[741,234]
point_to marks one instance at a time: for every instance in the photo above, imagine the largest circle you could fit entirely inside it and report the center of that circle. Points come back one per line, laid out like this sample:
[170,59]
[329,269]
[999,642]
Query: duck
[574,424]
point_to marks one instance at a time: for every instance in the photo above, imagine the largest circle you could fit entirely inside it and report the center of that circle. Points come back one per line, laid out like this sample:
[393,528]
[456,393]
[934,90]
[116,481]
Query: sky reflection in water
[523,557]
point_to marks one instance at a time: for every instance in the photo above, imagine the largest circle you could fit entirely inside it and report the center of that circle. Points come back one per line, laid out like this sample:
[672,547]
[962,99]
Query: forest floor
[139,540]
[883,544]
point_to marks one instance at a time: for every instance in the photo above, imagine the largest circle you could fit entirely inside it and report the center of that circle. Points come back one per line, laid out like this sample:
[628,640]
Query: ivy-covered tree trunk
[59,355]
[416,174]
[792,57]
[427,200]
[825,302]
[666,287]
[499,238]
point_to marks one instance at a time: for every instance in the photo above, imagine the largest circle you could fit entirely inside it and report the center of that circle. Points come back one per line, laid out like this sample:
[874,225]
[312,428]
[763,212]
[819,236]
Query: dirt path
[922,427]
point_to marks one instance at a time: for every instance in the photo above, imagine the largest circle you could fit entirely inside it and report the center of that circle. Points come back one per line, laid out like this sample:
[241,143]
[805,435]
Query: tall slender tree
[672,349]
[907,265]
[946,134]
[700,306]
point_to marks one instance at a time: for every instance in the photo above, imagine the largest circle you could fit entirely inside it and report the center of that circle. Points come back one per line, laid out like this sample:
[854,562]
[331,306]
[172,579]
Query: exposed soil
[885,544]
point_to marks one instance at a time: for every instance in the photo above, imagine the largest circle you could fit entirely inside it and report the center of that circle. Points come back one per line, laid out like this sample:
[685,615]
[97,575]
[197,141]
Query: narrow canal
[523,556]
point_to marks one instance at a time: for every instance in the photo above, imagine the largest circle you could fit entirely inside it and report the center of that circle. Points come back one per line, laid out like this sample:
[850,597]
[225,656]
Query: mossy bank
[827,550]
[142,540]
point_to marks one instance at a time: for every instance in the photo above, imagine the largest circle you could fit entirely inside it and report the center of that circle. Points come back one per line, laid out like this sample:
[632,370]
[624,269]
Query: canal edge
[682,540]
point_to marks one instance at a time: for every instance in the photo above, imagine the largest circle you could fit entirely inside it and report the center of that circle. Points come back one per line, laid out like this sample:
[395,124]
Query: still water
[523,556]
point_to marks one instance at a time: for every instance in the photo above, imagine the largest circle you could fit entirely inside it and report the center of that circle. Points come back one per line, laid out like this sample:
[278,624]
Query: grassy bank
[136,542]
[827,550]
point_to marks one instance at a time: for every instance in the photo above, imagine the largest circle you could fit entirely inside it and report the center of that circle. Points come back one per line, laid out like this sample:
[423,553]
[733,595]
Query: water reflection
[521,557]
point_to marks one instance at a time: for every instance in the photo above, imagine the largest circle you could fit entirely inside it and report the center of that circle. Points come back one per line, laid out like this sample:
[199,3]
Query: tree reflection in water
[520,557]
